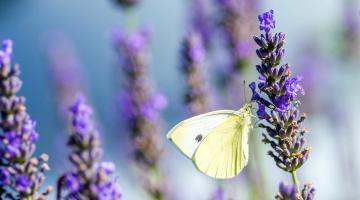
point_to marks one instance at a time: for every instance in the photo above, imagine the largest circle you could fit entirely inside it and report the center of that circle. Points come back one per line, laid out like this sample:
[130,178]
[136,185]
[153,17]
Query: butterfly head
[247,108]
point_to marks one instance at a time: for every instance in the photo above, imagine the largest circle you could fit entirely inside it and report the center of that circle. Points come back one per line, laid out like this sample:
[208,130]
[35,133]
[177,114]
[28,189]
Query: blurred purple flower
[106,191]
[194,48]
[150,109]
[201,21]
[243,50]
[141,106]
[236,25]
[308,192]
[107,167]
[21,174]
[218,194]
[350,29]
[313,70]
[91,178]
[193,66]
[71,182]
[287,192]
[159,101]
[66,72]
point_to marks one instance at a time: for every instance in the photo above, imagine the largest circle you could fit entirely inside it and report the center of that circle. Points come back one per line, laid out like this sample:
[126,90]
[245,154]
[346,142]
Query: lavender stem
[295,180]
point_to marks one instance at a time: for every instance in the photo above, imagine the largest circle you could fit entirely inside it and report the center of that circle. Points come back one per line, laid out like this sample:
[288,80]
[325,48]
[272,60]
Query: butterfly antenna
[244,83]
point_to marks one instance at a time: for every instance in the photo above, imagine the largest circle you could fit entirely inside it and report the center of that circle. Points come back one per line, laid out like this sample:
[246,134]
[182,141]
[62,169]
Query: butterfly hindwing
[224,152]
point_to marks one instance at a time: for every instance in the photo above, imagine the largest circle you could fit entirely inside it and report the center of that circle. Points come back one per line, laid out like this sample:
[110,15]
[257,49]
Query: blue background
[88,25]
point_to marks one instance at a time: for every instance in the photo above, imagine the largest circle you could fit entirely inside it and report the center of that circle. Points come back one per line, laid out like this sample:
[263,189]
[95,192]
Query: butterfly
[216,142]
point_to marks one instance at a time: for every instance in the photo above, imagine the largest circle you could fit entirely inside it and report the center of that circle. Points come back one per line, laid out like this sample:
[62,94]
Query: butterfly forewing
[224,152]
[190,133]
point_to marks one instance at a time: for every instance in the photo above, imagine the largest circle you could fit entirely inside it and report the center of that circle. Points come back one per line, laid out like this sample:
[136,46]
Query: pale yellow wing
[224,152]
[188,134]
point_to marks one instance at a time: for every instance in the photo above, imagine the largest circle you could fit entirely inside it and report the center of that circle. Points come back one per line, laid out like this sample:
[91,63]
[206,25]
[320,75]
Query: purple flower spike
[66,71]
[141,106]
[193,66]
[267,21]
[90,178]
[218,194]
[201,22]
[308,192]
[21,174]
[277,100]
[236,26]
[287,192]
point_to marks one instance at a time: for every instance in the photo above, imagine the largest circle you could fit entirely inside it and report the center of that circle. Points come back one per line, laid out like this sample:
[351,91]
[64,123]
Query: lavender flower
[21,174]
[267,21]
[236,25]
[313,66]
[218,194]
[193,61]
[308,192]
[289,192]
[350,29]
[200,21]
[279,109]
[91,178]
[66,71]
[142,106]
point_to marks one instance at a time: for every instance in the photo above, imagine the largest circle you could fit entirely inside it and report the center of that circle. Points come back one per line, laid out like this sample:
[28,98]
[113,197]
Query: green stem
[295,180]
[130,20]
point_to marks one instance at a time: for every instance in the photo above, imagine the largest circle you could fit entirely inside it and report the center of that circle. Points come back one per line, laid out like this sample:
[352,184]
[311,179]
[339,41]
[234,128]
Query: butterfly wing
[188,134]
[224,152]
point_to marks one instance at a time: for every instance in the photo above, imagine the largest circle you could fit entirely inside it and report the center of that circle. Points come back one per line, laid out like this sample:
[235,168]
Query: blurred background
[55,40]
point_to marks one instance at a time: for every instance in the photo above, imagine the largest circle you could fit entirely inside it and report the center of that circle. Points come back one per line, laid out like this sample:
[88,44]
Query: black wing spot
[199,138]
